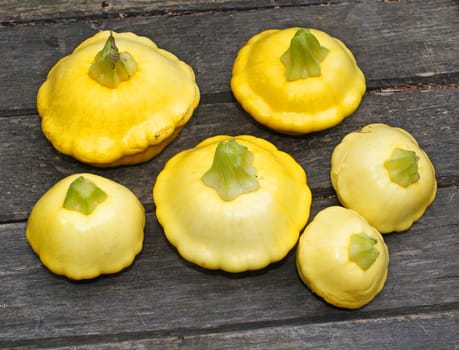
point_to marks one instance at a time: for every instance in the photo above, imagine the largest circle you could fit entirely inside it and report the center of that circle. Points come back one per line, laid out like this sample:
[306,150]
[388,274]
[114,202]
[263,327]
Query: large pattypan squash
[86,225]
[117,99]
[297,80]
[232,203]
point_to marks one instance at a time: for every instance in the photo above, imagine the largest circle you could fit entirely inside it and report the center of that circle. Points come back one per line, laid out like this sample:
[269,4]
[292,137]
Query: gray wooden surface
[409,53]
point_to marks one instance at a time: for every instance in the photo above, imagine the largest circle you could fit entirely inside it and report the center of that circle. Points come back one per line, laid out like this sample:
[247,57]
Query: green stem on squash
[402,166]
[83,196]
[111,67]
[303,57]
[362,250]
[231,173]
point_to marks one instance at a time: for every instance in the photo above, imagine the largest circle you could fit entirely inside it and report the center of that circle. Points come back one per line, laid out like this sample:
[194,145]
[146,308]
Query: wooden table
[409,53]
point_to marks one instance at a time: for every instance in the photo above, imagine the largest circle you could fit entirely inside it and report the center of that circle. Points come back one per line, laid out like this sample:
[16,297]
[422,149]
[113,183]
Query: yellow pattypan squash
[342,259]
[117,99]
[381,172]
[297,80]
[232,203]
[85,226]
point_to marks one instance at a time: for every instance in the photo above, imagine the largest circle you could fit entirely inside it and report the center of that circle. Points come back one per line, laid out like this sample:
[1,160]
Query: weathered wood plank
[39,10]
[437,330]
[162,295]
[385,38]
[32,165]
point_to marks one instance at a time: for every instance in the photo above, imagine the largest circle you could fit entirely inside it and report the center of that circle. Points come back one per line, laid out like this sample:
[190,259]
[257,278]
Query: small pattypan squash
[381,172]
[297,80]
[232,203]
[117,99]
[342,259]
[86,225]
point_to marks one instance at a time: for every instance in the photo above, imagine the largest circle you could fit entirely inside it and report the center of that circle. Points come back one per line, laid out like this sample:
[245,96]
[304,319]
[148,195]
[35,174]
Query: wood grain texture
[433,330]
[392,42]
[38,10]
